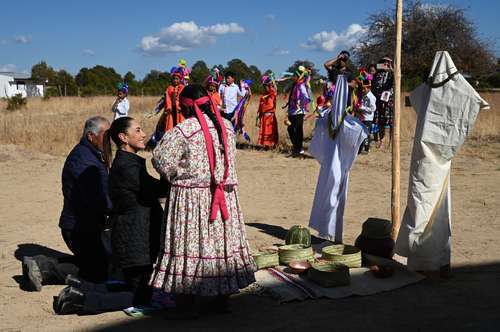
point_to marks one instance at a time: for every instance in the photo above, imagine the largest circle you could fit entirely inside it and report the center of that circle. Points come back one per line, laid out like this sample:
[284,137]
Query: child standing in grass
[212,84]
[229,93]
[173,115]
[121,105]
[298,104]
[366,111]
[266,115]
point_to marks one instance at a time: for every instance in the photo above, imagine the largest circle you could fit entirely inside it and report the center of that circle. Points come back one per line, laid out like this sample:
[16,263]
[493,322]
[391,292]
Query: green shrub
[16,102]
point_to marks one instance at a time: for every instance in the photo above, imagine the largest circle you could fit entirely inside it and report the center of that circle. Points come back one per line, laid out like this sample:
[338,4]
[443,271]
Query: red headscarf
[218,199]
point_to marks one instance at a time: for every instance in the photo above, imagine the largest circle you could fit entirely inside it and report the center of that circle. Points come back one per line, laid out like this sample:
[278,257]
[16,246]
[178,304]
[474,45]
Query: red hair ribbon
[218,199]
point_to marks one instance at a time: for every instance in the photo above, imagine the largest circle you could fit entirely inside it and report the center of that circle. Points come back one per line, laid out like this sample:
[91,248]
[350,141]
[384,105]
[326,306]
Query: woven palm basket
[328,274]
[265,259]
[295,252]
[345,254]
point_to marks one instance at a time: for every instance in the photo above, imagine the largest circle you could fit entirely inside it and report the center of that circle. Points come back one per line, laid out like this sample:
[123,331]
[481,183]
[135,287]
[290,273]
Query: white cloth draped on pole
[336,156]
[447,107]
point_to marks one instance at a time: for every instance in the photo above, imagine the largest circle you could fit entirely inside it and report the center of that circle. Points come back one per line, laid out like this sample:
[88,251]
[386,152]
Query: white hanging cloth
[447,107]
[336,157]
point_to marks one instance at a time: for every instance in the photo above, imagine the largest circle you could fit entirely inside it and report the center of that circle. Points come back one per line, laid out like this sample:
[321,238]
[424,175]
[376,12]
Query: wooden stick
[396,161]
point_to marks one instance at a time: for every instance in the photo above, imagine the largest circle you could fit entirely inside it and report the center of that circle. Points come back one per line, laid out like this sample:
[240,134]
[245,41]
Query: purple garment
[299,99]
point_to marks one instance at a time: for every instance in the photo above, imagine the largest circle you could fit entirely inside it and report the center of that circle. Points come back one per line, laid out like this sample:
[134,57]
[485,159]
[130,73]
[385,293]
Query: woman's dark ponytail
[118,126]
[107,152]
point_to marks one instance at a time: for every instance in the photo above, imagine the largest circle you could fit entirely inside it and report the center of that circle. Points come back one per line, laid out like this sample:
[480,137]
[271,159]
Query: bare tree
[427,29]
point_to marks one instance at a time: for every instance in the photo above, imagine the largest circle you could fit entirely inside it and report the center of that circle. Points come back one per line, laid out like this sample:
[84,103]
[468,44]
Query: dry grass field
[53,126]
[276,192]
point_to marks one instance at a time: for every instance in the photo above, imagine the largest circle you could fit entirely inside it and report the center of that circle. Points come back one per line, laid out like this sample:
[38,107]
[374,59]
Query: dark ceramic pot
[377,247]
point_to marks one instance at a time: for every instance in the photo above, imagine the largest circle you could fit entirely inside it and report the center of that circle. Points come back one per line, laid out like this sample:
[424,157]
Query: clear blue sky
[145,35]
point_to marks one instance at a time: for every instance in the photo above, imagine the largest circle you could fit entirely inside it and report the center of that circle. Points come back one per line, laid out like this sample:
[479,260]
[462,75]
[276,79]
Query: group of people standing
[128,251]
[370,96]
[370,99]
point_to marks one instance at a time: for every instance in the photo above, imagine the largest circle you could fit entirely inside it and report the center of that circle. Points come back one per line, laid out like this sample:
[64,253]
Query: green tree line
[101,80]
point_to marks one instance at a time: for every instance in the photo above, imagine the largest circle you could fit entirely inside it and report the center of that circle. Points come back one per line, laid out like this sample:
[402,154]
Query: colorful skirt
[268,131]
[202,257]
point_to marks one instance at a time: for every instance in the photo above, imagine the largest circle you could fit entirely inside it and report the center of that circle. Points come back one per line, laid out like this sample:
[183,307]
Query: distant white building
[14,83]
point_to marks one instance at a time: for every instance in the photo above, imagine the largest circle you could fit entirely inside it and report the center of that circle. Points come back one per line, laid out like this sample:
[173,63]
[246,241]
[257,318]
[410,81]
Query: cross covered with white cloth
[447,107]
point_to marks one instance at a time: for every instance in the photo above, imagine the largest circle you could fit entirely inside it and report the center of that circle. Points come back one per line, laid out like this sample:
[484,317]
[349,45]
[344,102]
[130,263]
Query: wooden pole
[396,161]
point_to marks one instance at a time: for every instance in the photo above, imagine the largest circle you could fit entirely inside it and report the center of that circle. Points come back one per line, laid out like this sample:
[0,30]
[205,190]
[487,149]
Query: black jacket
[137,215]
[85,190]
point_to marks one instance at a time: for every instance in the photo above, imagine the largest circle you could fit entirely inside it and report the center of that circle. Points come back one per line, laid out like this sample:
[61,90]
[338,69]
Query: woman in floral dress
[205,249]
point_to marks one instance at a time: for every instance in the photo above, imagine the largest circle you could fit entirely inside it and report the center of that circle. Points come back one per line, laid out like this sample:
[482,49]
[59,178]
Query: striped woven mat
[286,287]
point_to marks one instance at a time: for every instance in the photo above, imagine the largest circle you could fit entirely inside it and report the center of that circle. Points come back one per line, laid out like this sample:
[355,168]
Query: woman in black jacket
[136,220]
[137,214]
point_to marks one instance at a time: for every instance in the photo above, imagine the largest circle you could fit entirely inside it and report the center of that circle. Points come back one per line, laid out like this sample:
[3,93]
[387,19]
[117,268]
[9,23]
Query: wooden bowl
[299,267]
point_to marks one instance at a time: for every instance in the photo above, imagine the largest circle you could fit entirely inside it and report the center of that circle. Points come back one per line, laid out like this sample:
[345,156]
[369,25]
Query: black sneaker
[70,301]
[32,275]
[73,281]
[57,302]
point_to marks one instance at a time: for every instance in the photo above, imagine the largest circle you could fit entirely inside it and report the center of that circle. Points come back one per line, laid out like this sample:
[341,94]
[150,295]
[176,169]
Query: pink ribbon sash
[218,197]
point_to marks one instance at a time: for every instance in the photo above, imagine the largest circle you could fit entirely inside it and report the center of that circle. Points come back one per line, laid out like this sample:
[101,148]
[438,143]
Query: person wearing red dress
[173,115]
[212,85]
[266,115]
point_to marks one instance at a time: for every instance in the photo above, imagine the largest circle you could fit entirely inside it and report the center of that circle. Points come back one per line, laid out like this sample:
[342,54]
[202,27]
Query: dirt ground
[276,193]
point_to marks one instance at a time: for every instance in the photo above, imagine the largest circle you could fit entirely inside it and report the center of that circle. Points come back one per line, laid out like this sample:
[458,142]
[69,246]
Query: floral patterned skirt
[202,257]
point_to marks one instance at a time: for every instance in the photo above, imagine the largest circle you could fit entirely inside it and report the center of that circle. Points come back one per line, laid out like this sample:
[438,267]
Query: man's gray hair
[94,125]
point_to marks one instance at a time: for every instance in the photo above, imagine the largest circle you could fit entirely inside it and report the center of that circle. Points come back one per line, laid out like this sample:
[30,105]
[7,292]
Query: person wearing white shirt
[229,93]
[121,105]
[367,110]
